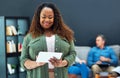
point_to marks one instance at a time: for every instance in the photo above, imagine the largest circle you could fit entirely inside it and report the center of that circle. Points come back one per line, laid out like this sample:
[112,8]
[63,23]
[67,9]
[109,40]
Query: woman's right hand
[40,64]
[29,64]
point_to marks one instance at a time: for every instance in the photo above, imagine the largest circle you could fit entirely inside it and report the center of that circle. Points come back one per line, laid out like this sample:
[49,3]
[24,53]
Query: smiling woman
[46,17]
[48,33]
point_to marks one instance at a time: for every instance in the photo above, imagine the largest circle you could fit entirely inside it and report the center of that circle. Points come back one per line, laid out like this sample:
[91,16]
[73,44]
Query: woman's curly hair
[59,27]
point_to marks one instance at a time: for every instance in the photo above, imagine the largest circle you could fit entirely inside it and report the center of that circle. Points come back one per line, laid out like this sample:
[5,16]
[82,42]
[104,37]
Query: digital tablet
[104,65]
[45,56]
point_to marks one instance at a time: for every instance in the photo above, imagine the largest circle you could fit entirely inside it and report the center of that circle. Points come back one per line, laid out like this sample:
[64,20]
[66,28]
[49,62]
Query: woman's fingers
[54,61]
[40,63]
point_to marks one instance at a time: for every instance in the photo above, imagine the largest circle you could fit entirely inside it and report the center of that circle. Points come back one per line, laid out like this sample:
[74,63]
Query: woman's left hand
[58,62]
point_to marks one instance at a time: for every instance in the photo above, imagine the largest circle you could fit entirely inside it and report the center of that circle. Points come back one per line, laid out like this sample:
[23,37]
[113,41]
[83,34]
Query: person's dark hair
[59,27]
[102,36]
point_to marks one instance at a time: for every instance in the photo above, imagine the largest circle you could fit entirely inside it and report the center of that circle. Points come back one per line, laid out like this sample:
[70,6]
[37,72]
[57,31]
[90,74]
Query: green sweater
[31,47]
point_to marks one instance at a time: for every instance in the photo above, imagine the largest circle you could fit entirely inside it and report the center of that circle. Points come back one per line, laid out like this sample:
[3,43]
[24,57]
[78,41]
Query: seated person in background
[78,68]
[116,72]
[101,58]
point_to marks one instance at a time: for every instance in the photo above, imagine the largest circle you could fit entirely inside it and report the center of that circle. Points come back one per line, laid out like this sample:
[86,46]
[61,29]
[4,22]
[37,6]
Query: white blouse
[50,47]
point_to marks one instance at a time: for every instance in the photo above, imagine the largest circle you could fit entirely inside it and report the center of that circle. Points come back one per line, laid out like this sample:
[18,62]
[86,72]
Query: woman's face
[46,17]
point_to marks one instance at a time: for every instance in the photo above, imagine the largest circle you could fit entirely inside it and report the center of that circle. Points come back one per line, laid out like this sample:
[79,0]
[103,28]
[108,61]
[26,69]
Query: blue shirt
[96,52]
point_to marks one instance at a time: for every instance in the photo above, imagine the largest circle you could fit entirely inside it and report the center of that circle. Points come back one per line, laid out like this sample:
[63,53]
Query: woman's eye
[50,17]
[43,17]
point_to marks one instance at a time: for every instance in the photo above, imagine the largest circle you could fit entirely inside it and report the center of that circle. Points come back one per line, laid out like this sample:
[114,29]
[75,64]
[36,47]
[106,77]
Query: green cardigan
[31,47]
